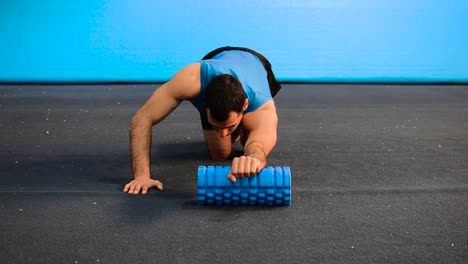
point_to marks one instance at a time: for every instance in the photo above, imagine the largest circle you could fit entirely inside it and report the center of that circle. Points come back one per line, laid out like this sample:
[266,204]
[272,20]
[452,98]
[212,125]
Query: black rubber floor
[380,175]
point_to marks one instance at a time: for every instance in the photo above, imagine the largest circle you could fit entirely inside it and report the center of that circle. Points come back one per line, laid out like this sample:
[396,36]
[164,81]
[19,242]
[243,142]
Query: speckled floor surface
[380,175]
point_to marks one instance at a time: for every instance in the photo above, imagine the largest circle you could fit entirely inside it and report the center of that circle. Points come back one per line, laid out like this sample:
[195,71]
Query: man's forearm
[256,150]
[140,146]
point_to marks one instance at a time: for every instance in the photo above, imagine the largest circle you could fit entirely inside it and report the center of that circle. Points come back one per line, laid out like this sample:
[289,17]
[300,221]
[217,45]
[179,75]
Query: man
[232,88]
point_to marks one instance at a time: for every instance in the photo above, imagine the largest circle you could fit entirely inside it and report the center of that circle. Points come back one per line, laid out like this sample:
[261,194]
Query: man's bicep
[159,105]
[183,86]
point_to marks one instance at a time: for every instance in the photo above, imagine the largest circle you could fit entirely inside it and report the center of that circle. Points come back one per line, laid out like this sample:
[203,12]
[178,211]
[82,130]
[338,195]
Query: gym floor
[380,175]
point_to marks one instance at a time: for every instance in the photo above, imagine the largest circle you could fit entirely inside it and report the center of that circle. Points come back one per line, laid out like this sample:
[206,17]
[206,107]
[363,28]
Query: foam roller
[271,186]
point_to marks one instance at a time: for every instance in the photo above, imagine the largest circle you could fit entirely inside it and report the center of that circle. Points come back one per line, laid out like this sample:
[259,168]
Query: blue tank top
[246,67]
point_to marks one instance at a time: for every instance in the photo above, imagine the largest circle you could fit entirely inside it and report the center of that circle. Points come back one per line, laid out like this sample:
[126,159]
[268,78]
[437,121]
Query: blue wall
[311,41]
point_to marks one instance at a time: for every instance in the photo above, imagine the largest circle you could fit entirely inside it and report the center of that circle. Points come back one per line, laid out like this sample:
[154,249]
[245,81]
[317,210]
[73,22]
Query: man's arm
[185,85]
[261,126]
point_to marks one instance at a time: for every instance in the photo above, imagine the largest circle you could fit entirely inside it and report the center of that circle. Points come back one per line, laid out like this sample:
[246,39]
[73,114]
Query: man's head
[225,102]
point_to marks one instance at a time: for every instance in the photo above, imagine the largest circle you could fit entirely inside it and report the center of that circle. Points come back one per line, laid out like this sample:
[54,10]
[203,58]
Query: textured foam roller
[271,186]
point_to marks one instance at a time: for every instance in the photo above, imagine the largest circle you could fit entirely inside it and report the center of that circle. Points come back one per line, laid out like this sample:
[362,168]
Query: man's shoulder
[186,82]
[190,74]
[268,106]
[257,118]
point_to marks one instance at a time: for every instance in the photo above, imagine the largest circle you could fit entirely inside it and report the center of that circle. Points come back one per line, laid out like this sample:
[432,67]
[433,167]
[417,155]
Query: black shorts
[274,85]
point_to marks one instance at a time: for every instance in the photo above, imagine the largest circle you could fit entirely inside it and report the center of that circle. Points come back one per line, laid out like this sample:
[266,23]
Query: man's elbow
[134,122]
[139,120]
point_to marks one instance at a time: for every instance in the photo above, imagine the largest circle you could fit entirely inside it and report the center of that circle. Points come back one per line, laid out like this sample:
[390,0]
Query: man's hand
[136,185]
[244,166]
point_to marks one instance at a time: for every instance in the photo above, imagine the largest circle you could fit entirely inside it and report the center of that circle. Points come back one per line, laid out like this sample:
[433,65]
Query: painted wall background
[306,41]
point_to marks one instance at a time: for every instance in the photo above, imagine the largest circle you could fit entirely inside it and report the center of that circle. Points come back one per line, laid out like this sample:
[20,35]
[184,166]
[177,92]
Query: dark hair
[224,94]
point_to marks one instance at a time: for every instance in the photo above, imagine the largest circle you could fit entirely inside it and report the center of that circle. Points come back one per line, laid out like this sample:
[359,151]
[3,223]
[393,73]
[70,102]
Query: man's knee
[218,148]
[219,156]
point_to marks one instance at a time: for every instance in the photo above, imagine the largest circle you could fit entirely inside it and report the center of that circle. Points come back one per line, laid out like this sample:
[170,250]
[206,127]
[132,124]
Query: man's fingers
[158,185]
[241,167]
[232,177]
[259,168]
[255,164]
[234,167]
[247,169]
[135,186]
[137,189]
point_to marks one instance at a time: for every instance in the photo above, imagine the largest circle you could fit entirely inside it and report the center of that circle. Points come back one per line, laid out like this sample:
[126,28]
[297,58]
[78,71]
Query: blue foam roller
[271,186]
